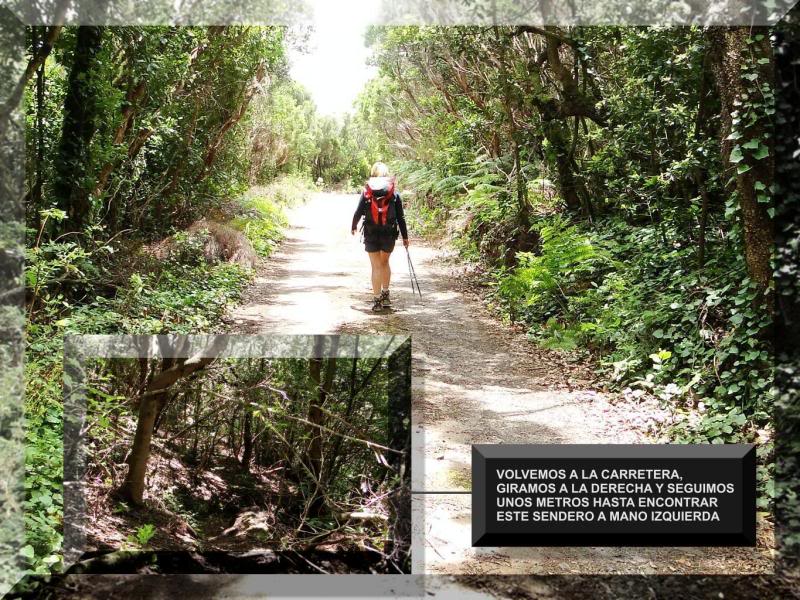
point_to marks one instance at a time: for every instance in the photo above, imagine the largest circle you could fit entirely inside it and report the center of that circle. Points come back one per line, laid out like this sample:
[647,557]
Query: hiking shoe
[377,304]
[385,300]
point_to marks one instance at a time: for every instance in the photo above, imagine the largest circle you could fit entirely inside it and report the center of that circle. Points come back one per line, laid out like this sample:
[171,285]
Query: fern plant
[141,537]
[543,285]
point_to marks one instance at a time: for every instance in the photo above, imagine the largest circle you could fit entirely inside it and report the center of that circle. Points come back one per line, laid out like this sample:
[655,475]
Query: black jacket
[363,207]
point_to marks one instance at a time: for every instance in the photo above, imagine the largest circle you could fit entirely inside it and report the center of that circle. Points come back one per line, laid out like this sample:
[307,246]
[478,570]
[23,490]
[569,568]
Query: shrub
[223,243]
[260,213]
[548,286]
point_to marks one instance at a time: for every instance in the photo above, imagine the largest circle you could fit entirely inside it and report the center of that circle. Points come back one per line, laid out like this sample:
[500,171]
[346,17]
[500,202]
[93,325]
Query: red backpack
[381,207]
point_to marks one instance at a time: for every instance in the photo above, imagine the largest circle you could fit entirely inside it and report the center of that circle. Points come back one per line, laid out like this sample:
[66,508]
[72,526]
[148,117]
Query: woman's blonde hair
[379,169]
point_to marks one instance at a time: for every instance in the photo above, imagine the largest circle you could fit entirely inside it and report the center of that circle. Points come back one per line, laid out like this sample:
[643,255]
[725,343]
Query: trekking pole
[412,274]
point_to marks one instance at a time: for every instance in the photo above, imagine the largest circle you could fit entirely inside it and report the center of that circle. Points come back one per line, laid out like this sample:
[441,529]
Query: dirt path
[474,381]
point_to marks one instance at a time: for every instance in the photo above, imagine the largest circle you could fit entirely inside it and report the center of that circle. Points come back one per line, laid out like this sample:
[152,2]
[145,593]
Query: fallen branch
[369,444]
[311,564]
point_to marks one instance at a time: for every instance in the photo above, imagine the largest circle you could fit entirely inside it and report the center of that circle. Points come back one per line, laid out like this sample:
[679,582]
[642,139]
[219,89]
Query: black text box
[649,495]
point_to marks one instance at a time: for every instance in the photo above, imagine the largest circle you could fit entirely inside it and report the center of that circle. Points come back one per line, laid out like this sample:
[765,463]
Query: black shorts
[382,243]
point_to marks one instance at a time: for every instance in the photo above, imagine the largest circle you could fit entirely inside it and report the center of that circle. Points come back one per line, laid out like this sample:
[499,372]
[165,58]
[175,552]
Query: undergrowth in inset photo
[248,456]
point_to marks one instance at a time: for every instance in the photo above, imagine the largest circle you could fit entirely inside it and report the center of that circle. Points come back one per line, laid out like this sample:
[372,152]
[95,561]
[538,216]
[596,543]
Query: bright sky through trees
[334,69]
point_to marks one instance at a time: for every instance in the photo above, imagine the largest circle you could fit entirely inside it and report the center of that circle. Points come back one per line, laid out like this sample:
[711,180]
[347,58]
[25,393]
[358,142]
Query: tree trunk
[398,546]
[787,178]
[700,173]
[149,404]
[569,186]
[332,467]
[314,414]
[129,109]
[322,388]
[172,370]
[38,184]
[215,144]
[38,58]
[247,455]
[701,239]
[195,452]
[732,53]
[80,113]
[233,444]
[523,216]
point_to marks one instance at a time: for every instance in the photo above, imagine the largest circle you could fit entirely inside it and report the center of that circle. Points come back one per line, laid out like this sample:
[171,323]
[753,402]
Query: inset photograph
[247,465]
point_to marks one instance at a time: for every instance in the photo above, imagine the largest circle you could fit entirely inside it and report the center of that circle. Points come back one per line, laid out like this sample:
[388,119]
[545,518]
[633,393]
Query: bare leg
[386,275]
[377,271]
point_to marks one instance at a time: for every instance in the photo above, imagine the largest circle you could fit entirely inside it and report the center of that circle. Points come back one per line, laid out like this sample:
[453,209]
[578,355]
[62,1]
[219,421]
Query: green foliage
[287,136]
[43,483]
[182,298]
[166,102]
[629,241]
[264,231]
[262,217]
[787,281]
[141,537]
[655,324]
[547,284]
[43,455]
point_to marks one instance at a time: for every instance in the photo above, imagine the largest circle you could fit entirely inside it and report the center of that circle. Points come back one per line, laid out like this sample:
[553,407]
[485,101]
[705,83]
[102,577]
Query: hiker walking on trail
[384,220]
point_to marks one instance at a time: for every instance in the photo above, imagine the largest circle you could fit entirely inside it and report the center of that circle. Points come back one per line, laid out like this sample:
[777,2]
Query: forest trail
[474,381]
